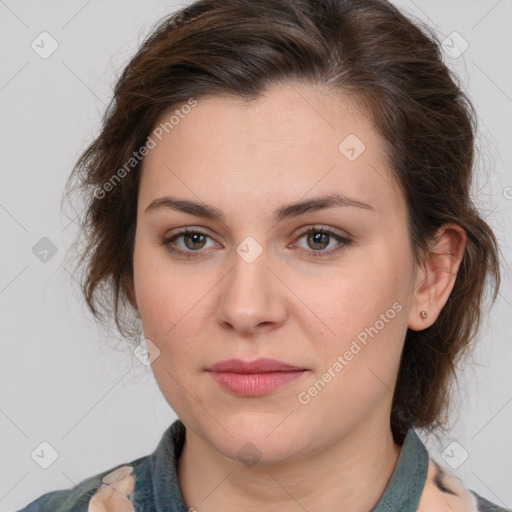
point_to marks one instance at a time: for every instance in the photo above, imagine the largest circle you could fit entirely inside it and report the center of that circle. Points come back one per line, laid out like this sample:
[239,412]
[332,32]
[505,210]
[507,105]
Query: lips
[253,378]
[262,365]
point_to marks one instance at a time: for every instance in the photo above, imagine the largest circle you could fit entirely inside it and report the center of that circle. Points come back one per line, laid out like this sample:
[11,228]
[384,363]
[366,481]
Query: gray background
[60,380]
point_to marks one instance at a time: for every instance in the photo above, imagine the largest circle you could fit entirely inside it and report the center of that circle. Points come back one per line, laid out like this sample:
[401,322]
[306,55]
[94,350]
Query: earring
[423,314]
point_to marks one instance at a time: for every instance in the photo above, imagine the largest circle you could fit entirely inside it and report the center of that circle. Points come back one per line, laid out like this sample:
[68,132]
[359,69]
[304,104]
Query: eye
[193,239]
[318,238]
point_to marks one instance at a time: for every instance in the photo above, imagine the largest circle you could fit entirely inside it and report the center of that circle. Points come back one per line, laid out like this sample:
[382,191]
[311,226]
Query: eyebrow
[284,212]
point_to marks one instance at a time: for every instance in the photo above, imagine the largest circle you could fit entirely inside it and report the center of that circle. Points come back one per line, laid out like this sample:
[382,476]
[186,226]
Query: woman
[281,195]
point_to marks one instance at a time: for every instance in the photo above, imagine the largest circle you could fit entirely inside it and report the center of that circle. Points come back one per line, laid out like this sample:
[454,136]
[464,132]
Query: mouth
[253,378]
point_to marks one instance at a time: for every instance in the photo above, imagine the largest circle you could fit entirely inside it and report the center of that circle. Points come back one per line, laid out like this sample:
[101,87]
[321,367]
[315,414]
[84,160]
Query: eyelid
[343,240]
[321,227]
[185,231]
[301,231]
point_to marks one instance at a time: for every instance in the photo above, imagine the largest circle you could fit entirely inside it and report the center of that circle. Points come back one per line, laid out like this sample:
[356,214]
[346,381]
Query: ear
[436,276]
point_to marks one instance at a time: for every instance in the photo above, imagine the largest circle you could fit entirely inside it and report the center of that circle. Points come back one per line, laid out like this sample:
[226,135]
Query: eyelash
[344,242]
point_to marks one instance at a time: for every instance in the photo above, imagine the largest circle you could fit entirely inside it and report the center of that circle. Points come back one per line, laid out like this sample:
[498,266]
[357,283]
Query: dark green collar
[402,492]
[404,489]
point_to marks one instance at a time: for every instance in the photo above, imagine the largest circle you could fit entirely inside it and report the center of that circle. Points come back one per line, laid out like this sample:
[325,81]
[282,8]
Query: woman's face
[254,284]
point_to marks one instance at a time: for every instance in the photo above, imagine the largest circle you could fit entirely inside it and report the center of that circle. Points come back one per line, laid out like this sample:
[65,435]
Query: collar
[403,491]
[405,487]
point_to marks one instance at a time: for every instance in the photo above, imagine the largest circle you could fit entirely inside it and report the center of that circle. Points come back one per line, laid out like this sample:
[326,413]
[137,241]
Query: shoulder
[144,484]
[113,487]
[444,491]
[486,506]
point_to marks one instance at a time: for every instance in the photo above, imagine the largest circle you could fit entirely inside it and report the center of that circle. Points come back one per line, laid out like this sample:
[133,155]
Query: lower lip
[254,384]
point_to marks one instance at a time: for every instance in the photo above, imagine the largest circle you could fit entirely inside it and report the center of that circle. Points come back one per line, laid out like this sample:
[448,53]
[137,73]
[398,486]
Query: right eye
[193,239]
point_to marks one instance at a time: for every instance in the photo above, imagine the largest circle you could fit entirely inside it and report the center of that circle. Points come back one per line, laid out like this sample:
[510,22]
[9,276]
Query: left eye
[318,239]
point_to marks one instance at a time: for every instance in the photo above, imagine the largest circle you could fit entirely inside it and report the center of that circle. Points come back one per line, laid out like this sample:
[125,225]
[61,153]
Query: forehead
[293,141]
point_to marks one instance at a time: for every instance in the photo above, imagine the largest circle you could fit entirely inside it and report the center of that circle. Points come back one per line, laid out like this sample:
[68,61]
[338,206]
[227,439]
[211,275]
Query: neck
[353,471]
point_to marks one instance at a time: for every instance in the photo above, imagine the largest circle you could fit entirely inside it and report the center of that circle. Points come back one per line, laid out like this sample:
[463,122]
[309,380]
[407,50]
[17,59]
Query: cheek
[363,313]
[173,302]
[356,366]
[353,297]
[170,309]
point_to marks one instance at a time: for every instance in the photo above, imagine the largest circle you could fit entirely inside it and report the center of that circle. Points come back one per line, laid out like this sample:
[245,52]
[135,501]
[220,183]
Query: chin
[256,438]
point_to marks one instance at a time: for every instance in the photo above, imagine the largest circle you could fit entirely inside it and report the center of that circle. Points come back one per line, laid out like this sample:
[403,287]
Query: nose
[252,297]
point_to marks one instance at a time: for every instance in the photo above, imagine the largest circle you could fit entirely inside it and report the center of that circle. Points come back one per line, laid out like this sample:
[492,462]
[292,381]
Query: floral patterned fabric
[150,484]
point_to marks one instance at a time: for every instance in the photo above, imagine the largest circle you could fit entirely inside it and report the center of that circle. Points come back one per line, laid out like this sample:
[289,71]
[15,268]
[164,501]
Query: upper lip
[261,365]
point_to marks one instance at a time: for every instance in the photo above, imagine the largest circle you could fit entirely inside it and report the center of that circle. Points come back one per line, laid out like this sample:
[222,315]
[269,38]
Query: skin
[248,159]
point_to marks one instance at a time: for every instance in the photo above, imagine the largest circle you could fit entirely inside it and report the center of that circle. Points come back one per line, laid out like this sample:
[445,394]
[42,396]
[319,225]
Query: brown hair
[365,48]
